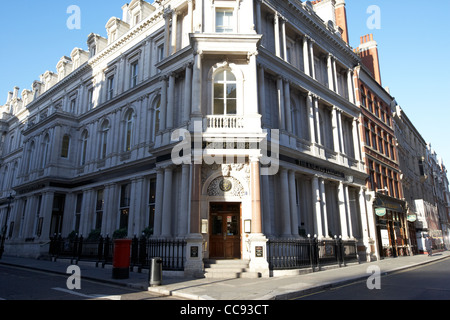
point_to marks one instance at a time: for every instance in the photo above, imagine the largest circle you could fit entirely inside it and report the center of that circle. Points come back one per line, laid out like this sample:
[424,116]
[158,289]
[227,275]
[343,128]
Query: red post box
[121,260]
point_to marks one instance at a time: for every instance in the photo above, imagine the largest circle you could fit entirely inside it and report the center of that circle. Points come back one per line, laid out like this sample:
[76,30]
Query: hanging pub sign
[411,217]
[380,212]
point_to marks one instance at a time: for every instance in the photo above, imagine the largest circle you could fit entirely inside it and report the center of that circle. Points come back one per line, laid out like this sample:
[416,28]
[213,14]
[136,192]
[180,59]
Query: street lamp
[2,245]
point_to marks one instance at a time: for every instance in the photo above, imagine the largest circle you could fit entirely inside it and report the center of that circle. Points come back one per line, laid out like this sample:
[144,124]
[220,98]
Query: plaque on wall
[259,252]
[194,252]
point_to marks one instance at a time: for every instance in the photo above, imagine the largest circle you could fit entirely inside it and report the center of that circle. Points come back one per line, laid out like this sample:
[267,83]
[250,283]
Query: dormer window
[137,18]
[93,51]
[116,28]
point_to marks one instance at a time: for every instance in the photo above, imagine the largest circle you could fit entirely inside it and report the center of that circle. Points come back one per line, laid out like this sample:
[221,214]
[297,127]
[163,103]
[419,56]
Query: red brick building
[390,229]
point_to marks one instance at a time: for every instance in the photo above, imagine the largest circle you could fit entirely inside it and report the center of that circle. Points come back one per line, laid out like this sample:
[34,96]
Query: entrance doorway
[225,230]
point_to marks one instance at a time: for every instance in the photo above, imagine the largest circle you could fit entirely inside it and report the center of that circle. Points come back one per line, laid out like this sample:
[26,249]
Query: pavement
[274,288]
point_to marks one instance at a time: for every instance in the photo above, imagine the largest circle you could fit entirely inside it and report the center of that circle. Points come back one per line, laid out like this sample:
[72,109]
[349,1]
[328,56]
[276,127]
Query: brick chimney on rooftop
[368,52]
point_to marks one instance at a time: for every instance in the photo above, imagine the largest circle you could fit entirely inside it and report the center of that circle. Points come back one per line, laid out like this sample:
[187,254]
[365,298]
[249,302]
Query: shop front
[392,227]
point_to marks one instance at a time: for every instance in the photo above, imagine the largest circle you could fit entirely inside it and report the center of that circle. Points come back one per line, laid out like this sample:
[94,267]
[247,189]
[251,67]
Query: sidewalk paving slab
[274,288]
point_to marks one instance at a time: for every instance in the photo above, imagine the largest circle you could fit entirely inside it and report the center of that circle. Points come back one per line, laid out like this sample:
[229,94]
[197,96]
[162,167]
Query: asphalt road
[426,282]
[24,284]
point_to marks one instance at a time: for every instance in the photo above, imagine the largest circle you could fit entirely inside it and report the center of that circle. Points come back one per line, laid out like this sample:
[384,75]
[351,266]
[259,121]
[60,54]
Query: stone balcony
[232,125]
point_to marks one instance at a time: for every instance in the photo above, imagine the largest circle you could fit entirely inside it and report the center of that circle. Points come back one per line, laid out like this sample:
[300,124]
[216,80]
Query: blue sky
[413,43]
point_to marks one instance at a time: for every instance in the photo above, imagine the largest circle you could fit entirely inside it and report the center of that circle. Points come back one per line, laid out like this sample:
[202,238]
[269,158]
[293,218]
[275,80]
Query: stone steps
[229,269]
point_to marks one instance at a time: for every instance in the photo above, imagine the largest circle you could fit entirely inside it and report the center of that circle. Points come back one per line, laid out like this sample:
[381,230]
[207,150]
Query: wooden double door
[225,230]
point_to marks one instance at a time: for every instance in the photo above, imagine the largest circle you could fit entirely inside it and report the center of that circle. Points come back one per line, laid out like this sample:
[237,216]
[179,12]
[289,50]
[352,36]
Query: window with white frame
[65,147]
[90,98]
[157,116]
[224,20]
[110,88]
[134,73]
[225,98]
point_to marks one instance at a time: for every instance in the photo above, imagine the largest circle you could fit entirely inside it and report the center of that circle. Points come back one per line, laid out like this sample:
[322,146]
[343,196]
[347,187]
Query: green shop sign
[380,212]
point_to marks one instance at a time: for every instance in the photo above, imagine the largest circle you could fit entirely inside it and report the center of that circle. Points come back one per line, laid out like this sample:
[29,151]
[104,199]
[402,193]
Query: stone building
[164,126]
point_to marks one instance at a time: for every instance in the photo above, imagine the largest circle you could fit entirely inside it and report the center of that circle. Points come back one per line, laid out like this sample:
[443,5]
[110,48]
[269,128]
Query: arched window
[65,146]
[157,116]
[129,124]
[84,142]
[45,150]
[30,157]
[104,139]
[225,99]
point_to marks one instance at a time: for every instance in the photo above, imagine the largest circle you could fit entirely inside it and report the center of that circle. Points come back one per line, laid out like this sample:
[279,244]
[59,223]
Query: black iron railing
[310,253]
[101,251]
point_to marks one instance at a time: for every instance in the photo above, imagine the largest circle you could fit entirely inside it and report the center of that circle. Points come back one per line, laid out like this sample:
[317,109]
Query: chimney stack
[16,93]
[341,19]
[368,52]
[10,96]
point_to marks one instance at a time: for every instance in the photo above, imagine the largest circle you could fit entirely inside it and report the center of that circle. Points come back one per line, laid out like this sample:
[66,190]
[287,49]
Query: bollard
[155,272]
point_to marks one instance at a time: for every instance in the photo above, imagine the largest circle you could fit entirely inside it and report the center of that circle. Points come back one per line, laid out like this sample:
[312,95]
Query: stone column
[330,72]
[316,201]
[342,211]
[167,16]
[255,188]
[351,93]
[109,209]
[190,16]
[311,50]
[194,241]
[136,219]
[323,205]
[334,121]
[174,31]
[276,30]
[183,220]
[47,211]
[356,140]
[197,85]
[283,35]
[293,205]
[258,16]
[163,104]
[187,92]
[336,86]
[285,214]
[166,222]
[159,202]
[262,94]
[257,240]
[281,116]
[306,65]
[368,226]
[340,130]
[170,102]
[349,212]
[266,205]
